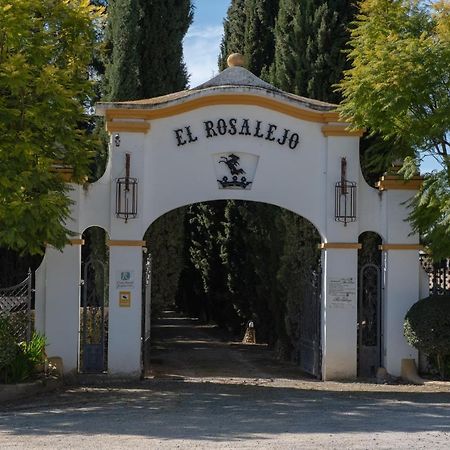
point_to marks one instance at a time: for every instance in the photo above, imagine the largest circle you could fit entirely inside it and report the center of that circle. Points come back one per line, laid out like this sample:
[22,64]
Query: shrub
[8,348]
[427,327]
[19,360]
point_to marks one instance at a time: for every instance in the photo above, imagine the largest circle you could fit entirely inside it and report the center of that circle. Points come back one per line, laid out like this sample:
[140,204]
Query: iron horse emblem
[237,173]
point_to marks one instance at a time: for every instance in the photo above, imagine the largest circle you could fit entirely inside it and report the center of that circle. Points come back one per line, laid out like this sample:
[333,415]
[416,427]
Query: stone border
[12,392]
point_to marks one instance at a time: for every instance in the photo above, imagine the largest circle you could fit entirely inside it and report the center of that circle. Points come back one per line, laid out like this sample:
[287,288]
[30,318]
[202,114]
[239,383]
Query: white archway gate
[235,137]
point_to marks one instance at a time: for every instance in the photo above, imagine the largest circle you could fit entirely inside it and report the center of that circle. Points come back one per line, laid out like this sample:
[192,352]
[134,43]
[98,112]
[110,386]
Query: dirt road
[208,393]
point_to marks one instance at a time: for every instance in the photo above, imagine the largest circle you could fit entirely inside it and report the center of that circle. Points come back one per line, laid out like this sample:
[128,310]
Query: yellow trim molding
[222,99]
[340,245]
[339,130]
[76,241]
[416,247]
[130,127]
[127,243]
[397,182]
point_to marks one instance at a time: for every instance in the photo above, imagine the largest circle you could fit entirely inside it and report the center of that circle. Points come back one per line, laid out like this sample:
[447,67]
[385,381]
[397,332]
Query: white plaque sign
[125,279]
[342,292]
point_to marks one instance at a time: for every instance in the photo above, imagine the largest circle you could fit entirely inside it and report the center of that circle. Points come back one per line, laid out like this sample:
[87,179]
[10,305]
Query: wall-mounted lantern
[126,194]
[345,197]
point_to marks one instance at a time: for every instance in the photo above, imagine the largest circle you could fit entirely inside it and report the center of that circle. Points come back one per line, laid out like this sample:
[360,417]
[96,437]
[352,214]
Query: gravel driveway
[241,398]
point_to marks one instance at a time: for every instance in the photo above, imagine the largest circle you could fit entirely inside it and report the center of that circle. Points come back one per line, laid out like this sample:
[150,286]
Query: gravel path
[207,393]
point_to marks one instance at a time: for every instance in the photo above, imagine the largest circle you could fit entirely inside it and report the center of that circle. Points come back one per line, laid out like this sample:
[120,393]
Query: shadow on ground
[223,412]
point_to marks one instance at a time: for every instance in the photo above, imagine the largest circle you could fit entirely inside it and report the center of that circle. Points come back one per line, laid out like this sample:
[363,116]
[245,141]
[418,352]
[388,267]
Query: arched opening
[94,303]
[233,262]
[370,332]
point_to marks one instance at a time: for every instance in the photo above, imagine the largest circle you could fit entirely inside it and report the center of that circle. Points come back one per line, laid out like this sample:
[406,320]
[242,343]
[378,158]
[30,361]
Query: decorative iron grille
[15,307]
[438,274]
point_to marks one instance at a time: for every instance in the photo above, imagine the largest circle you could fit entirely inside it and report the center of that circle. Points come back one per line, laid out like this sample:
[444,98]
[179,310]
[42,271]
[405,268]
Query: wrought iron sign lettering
[232,162]
[239,127]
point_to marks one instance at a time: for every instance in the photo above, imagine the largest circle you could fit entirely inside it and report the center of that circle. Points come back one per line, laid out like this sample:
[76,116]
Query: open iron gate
[94,320]
[369,320]
[310,348]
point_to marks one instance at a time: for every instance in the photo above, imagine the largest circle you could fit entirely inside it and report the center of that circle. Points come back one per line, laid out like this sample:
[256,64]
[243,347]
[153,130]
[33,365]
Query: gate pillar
[339,311]
[58,307]
[125,307]
[401,292]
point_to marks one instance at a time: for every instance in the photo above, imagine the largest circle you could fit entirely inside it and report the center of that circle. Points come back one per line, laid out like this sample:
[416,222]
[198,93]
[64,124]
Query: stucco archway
[237,137]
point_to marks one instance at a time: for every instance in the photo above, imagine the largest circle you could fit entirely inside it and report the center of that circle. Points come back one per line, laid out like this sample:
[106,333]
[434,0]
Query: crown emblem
[237,173]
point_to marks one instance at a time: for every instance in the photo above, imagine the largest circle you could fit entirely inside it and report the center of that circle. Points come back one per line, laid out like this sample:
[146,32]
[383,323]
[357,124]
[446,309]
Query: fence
[15,307]
[438,273]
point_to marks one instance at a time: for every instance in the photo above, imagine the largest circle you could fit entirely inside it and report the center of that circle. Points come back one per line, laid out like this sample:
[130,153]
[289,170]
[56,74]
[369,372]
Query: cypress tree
[310,38]
[163,25]
[259,39]
[144,43]
[122,78]
[233,32]
[145,59]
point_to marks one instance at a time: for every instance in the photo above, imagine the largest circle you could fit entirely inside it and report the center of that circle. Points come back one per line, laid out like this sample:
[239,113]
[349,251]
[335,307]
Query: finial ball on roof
[235,60]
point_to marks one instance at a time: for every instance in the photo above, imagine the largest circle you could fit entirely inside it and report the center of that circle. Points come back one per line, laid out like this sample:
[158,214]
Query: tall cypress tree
[233,32]
[259,38]
[310,38]
[144,41]
[122,61]
[145,59]
[163,25]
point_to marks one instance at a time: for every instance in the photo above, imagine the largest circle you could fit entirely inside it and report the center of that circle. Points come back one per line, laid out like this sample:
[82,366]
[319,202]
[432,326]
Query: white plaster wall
[124,346]
[176,176]
[371,208]
[40,279]
[62,304]
[339,333]
[401,292]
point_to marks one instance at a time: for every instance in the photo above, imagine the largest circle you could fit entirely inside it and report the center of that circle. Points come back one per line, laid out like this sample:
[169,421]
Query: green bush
[8,347]
[19,360]
[427,328]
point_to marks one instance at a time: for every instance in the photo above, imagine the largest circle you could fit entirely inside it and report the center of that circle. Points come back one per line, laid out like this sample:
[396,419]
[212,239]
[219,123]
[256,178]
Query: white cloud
[201,50]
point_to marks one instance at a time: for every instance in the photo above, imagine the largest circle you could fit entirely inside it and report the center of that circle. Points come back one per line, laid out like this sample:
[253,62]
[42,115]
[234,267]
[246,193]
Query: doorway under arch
[240,261]
[370,330]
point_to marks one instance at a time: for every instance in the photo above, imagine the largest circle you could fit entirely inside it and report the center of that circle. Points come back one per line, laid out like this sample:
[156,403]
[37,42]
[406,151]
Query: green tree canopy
[46,47]
[399,88]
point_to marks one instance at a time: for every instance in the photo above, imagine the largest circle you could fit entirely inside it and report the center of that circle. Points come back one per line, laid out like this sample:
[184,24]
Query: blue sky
[202,42]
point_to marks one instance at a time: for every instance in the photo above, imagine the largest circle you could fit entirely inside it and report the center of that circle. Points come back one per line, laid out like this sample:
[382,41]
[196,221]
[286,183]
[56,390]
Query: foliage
[299,266]
[144,54]
[165,243]
[427,327]
[259,43]
[233,32]
[399,87]
[8,346]
[309,39]
[19,361]
[45,50]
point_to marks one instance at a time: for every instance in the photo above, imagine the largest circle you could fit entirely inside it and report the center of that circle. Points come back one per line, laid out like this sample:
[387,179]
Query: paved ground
[206,393]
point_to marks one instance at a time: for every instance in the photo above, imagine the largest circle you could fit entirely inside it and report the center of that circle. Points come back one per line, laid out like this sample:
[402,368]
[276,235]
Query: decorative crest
[233,164]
